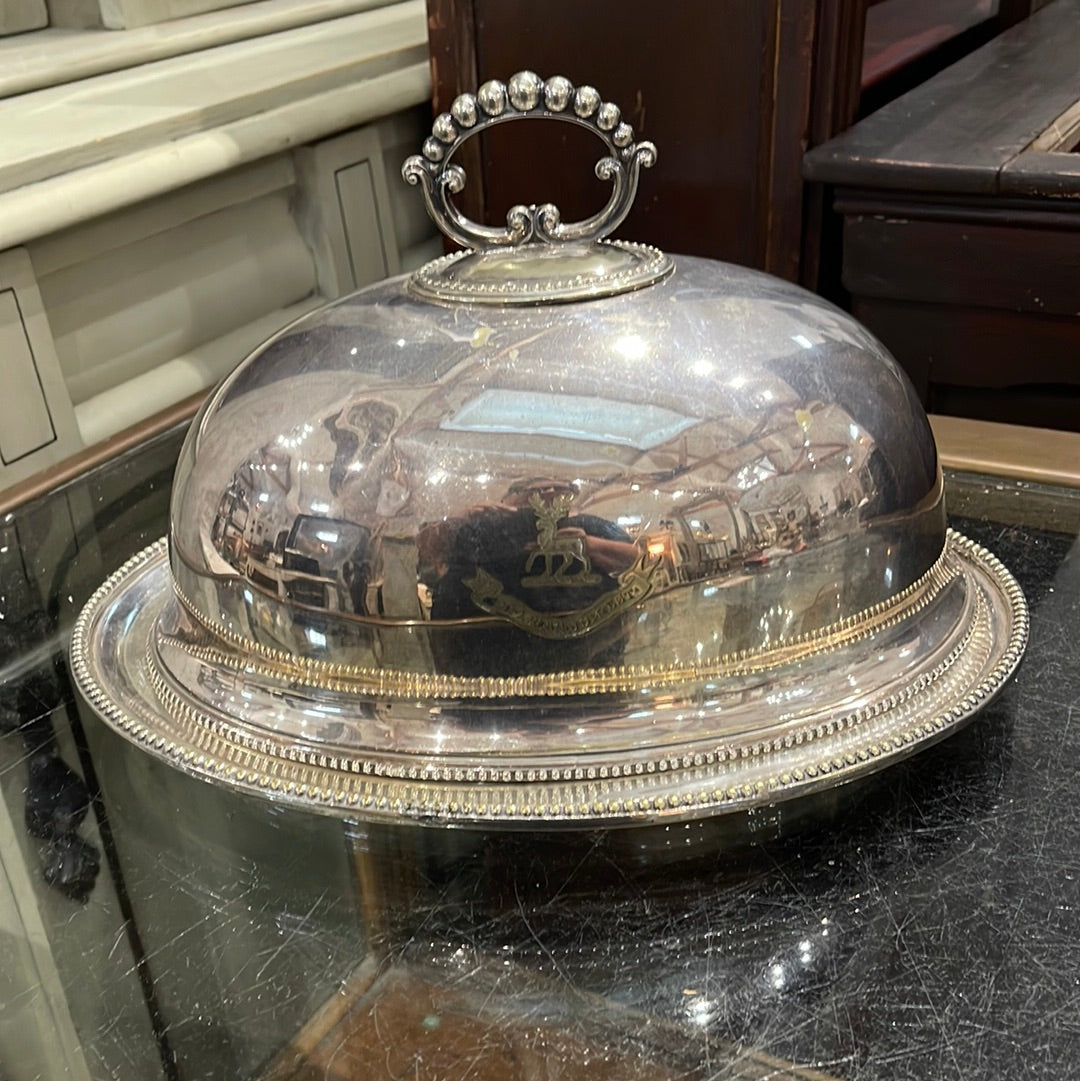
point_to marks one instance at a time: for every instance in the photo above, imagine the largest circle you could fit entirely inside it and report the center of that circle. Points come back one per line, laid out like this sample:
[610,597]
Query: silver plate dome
[651,538]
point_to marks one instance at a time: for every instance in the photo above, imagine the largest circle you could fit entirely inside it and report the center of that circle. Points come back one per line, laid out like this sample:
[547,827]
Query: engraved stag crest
[562,556]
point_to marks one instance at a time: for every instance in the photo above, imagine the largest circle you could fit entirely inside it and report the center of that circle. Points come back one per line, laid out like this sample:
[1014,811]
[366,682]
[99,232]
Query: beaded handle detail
[522,96]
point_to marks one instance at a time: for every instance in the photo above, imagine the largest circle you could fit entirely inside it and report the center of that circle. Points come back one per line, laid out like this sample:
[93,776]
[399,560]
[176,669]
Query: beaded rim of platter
[730,775]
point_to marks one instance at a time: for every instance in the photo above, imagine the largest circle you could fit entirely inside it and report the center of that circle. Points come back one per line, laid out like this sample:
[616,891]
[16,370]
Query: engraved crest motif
[562,556]
[559,560]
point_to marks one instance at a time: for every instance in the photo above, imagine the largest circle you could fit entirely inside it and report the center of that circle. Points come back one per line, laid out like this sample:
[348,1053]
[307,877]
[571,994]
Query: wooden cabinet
[961,243]
[731,93]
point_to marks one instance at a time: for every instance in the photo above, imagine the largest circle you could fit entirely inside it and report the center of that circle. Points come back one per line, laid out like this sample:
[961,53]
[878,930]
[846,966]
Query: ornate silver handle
[527,95]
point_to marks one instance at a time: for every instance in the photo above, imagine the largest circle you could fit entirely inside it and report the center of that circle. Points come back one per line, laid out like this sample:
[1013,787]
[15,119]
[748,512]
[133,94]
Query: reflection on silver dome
[489,492]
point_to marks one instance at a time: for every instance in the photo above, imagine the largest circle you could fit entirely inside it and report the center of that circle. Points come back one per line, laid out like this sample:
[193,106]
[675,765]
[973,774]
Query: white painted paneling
[180,211]
[18,16]
[57,55]
[133,308]
[355,211]
[41,208]
[126,14]
[108,232]
[407,218]
[363,238]
[120,406]
[83,14]
[37,424]
[54,131]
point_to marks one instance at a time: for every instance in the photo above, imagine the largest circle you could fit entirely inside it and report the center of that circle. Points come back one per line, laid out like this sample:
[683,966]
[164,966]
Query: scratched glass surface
[922,924]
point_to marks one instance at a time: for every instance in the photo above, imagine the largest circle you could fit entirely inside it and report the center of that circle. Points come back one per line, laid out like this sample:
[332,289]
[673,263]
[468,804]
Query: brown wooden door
[721,86]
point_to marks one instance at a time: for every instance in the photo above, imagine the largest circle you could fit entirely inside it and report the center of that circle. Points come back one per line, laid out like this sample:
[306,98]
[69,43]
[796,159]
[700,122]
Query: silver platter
[883,687]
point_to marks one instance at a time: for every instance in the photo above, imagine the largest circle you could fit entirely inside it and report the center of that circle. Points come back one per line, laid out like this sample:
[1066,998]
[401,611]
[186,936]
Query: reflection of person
[542,560]
[227,531]
[505,538]
[359,432]
[608,549]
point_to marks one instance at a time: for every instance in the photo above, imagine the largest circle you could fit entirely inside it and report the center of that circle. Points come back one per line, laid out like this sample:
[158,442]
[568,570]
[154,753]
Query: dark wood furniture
[961,240]
[732,94]
[723,89]
[905,42]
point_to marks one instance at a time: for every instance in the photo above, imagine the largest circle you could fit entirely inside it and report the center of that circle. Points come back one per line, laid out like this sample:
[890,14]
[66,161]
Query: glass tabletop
[919,924]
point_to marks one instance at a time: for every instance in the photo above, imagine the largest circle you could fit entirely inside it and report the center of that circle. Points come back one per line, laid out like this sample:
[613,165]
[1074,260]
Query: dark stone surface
[71,865]
[56,797]
[925,930]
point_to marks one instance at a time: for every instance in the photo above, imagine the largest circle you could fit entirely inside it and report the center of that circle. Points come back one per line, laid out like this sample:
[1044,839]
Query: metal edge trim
[650,265]
[317,787]
[398,683]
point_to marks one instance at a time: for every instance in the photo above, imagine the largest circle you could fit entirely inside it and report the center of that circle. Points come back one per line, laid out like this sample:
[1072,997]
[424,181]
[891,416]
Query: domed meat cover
[558,529]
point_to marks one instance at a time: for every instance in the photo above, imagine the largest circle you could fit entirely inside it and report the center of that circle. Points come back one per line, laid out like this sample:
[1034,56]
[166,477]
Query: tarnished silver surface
[654,553]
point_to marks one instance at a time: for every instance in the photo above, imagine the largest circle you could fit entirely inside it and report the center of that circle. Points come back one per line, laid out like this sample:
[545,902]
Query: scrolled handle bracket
[526,95]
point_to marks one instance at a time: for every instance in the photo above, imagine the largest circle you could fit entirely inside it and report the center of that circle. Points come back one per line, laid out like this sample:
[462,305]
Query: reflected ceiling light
[631,346]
